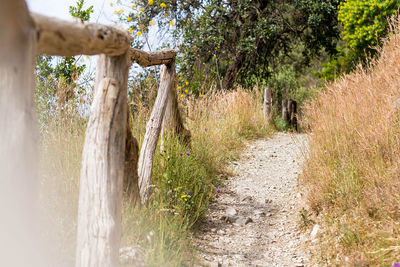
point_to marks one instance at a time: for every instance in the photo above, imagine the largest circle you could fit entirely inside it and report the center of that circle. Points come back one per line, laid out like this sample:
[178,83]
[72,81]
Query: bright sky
[59,8]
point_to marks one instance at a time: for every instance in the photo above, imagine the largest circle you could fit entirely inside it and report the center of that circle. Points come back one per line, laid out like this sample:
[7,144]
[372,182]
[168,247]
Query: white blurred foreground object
[19,232]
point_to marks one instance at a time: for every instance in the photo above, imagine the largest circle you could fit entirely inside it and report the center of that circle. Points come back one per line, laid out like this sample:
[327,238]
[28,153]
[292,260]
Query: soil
[255,221]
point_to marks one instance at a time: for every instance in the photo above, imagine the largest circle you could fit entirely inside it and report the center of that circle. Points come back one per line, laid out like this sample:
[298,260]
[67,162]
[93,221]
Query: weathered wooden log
[102,171]
[172,123]
[19,244]
[153,129]
[146,59]
[63,38]
[131,178]
[267,103]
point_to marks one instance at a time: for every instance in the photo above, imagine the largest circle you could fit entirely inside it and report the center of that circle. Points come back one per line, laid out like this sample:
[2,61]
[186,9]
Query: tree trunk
[285,110]
[267,103]
[19,242]
[172,123]
[153,129]
[131,179]
[102,172]
[233,68]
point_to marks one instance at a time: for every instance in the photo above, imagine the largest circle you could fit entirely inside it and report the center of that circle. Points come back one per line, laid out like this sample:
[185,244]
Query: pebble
[230,211]
[314,231]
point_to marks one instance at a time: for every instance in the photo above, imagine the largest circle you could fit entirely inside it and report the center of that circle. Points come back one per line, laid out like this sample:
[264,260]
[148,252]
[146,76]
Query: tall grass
[185,176]
[353,170]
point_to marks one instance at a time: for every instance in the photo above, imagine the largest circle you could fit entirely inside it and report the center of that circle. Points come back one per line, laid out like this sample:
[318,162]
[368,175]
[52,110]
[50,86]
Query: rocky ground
[256,219]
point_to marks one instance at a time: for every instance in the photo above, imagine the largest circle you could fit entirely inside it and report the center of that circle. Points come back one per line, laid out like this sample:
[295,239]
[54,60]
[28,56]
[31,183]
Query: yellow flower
[163,5]
[179,88]
[201,96]
[182,95]
[204,63]
[111,4]
[133,6]
[121,11]
[129,19]
[187,83]
[115,12]
[171,23]
[150,2]
[130,30]
[140,9]
[186,91]
[183,196]
[151,23]
[215,56]
[180,78]
[139,33]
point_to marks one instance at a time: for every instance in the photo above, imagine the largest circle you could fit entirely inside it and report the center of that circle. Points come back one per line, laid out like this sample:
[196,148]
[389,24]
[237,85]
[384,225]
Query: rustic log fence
[110,151]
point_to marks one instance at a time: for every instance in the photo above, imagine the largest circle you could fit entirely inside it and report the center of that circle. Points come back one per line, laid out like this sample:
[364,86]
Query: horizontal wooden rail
[63,38]
[57,37]
[146,59]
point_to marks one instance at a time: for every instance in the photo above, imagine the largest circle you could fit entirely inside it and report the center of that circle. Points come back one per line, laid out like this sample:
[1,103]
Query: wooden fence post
[267,103]
[102,171]
[285,110]
[153,129]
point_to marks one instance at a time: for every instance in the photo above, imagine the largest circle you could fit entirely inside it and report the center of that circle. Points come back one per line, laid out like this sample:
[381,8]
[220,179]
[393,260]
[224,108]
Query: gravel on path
[255,220]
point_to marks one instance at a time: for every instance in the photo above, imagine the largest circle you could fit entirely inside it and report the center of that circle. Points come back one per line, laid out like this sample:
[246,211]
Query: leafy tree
[365,22]
[236,39]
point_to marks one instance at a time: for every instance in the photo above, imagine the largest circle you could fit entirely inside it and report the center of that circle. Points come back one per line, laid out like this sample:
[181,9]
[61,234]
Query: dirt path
[255,220]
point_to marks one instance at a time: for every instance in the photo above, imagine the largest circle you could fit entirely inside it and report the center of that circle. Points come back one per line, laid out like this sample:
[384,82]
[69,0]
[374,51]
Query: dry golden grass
[353,172]
[223,119]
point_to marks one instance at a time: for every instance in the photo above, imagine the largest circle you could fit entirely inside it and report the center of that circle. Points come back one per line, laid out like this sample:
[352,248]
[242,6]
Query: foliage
[243,37]
[365,22]
[233,40]
[79,12]
[352,172]
[364,25]
[344,61]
